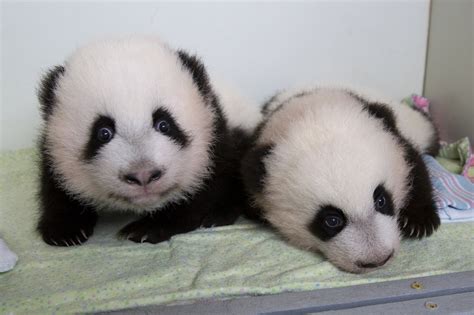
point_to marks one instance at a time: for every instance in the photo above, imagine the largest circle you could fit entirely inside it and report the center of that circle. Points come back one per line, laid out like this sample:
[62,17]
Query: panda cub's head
[330,177]
[129,124]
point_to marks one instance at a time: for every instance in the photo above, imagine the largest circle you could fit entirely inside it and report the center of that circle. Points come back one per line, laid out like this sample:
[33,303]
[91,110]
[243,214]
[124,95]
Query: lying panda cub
[334,171]
[132,125]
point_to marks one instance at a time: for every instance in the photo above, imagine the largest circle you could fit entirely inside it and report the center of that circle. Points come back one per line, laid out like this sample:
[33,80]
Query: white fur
[328,150]
[239,111]
[128,79]
[414,126]
[410,122]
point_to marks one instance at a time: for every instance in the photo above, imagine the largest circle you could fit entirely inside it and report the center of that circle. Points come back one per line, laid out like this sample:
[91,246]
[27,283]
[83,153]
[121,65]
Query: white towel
[8,258]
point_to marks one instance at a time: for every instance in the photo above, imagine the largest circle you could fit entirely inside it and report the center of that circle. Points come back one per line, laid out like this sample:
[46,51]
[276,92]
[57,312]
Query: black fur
[379,111]
[319,229]
[218,203]
[387,208]
[384,113]
[253,172]
[64,221]
[197,70]
[265,110]
[175,132]
[253,168]
[419,217]
[200,77]
[46,91]
[94,144]
[433,148]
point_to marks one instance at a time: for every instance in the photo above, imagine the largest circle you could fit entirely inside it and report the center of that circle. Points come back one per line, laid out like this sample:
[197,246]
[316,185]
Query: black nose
[142,177]
[374,264]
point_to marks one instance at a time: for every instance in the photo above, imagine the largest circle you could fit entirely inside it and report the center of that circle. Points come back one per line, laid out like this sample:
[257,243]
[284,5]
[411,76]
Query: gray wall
[258,46]
[449,68]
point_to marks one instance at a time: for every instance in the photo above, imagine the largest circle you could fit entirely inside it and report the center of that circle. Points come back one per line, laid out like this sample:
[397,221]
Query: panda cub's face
[334,179]
[129,129]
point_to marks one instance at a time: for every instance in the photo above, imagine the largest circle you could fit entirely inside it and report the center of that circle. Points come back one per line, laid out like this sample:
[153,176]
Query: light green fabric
[453,156]
[244,259]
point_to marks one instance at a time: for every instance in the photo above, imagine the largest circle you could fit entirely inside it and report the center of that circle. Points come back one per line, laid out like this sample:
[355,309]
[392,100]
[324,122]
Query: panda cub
[132,125]
[338,172]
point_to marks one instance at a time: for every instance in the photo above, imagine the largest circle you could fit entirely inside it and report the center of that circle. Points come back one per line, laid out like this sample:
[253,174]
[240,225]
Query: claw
[405,223]
[144,238]
[67,244]
[84,234]
[54,242]
[78,240]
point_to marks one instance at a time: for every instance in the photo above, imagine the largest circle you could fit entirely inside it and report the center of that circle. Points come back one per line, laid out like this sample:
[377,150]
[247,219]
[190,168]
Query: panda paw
[66,235]
[419,226]
[145,230]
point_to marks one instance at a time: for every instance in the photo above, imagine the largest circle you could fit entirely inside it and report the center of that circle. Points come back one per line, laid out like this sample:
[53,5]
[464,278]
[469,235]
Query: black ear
[201,79]
[197,70]
[378,111]
[383,113]
[46,91]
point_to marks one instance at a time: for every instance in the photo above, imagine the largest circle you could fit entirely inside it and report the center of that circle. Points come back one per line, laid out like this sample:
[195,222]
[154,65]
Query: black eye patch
[383,201]
[327,223]
[96,136]
[164,123]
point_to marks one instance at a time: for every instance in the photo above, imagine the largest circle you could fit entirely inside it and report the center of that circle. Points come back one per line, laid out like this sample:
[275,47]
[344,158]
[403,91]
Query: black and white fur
[341,173]
[132,125]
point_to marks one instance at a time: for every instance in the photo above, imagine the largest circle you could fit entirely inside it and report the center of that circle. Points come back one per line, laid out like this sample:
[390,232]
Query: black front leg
[419,217]
[63,221]
[161,225]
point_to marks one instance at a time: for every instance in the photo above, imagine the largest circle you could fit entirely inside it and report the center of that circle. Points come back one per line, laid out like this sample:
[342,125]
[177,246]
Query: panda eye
[162,126]
[105,134]
[332,221]
[328,222]
[381,201]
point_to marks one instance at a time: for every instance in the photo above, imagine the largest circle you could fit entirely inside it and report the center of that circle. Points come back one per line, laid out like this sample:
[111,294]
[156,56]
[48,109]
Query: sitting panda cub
[132,125]
[341,173]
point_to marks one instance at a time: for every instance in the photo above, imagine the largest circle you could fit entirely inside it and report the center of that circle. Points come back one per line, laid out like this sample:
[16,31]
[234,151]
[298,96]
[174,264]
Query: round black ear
[200,77]
[197,70]
[46,90]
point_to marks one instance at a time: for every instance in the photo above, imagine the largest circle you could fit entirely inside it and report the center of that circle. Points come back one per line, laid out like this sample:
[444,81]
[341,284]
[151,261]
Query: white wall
[260,47]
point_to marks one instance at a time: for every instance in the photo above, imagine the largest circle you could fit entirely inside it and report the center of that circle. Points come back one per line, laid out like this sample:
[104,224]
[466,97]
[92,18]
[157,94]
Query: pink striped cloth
[454,194]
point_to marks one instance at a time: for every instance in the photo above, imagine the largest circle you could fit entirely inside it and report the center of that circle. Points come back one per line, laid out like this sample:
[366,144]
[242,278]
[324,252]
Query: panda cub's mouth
[145,198]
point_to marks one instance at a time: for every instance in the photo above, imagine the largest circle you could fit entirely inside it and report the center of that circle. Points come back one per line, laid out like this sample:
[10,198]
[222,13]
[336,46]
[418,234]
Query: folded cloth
[8,258]
[453,194]
[455,156]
